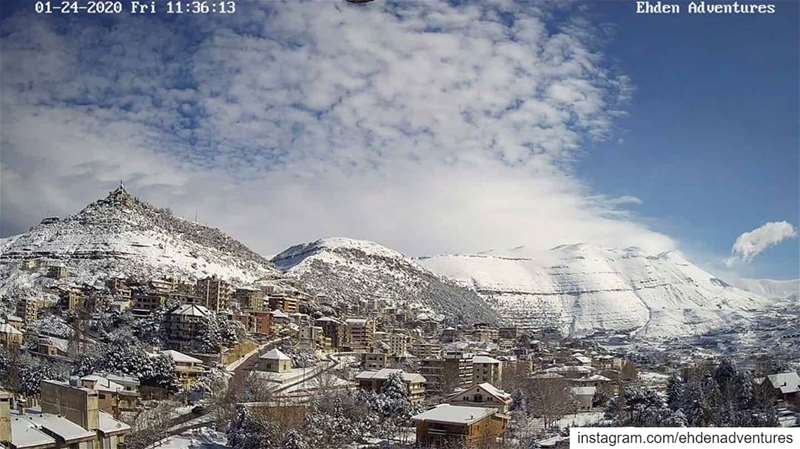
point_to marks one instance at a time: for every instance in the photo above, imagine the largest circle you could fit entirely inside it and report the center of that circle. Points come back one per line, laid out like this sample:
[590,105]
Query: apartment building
[333,329]
[214,293]
[374,380]
[448,424]
[10,336]
[486,369]
[69,417]
[185,324]
[249,298]
[187,368]
[28,309]
[359,334]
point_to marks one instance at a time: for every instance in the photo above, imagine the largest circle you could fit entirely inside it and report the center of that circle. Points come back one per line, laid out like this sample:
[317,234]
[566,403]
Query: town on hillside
[164,362]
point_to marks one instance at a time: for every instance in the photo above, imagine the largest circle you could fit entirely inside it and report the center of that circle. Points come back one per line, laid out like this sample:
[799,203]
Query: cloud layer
[750,244]
[424,126]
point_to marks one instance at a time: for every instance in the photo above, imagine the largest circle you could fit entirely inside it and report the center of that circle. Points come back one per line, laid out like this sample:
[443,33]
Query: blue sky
[710,142]
[429,127]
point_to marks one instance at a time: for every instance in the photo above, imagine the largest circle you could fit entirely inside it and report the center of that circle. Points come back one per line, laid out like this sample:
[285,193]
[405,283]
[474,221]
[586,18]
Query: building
[69,417]
[185,325]
[275,361]
[263,322]
[484,334]
[52,346]
[426,349]
[187,368]
[433,371]
[113,397]
[455,424]
[457,370]
[313,335]
[249,298]
[584,396]
[374,380]
[784,386]
[147,299]
[333,329]
[214,293]
[284,303]
[359,334]
[486,369]
[377,360]
[30,264]
[57,271]
[10,336]
[482,395]
[119,288]
[398,343]
[29,309]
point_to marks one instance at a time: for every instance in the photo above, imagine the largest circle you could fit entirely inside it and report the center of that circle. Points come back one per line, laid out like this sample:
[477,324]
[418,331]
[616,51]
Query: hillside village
[252,357]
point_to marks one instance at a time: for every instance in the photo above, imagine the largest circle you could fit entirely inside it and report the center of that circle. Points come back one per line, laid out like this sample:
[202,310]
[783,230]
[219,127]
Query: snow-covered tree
[247,430]
[293,440]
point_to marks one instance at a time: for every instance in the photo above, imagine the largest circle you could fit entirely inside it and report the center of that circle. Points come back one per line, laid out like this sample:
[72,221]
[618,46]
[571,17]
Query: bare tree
[550,399]
[151,425]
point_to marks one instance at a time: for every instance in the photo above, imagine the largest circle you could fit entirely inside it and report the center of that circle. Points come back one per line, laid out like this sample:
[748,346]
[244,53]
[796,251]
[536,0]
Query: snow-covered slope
[770,288]
[123,236]
[357,271]
[581,289]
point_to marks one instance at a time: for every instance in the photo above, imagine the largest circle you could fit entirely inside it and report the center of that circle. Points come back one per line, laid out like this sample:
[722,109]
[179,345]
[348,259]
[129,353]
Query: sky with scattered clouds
[427,126]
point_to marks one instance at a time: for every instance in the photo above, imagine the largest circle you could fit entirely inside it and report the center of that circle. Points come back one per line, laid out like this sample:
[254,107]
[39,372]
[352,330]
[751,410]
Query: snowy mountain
[121,235]
[770,288]
[580,289]
[356,271]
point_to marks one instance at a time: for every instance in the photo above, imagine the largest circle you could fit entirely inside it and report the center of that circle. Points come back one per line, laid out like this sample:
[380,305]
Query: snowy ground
[203,438]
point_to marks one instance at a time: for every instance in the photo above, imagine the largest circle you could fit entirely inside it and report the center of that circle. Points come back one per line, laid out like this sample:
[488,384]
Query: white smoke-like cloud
[752,243]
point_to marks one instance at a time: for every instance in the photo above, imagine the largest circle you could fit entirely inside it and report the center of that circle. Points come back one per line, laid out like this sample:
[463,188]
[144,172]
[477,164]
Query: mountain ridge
[580,289]
[120,235]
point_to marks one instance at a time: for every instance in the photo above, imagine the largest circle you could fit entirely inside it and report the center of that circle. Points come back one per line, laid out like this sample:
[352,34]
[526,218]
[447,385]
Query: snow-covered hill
[770,288]
[357,271]
[581,289]
[122,236]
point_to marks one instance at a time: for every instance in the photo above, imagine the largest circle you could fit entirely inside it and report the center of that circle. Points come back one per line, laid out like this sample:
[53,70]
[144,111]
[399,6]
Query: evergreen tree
[674,392]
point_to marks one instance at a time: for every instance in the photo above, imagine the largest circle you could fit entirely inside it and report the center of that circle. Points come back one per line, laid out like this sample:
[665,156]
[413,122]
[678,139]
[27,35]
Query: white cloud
[750,244]
[421,125]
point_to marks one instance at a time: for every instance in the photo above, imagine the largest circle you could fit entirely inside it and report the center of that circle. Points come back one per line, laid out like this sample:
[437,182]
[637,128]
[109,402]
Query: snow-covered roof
[25,434]
[384,374]
[786,382]
[567,369]
[485,359]
[279,314]
[584,391]
[594,378]
[547,376]
[59,343]
[191,310]
[328,319]
[103,383]
[109,426]
[455,414]
[357,321]
[179,357]
[488,389]
[6,328]
[275,354]
[494,391]
[58,425]
[583,359]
